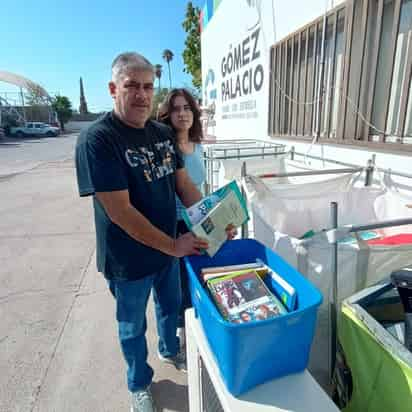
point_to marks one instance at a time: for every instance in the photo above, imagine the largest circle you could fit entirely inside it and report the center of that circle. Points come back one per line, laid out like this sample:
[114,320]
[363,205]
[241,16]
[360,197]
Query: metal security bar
[346,77]
[238,149]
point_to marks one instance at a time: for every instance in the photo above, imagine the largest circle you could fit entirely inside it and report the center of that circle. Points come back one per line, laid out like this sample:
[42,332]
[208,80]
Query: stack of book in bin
[239,291]
[241,295]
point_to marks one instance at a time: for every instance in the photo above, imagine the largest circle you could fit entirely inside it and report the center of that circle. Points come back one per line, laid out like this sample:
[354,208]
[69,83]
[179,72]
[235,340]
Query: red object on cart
[401,239]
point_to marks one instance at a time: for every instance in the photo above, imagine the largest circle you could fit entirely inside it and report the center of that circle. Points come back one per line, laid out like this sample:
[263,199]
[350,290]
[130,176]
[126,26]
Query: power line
[352,105]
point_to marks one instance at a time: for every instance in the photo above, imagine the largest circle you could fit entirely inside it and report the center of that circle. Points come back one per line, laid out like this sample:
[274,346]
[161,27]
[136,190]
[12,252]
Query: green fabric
[381,381]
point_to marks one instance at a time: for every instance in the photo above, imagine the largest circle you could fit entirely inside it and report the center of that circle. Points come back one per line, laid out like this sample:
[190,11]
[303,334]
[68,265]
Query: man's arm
[121,212]
[187,191]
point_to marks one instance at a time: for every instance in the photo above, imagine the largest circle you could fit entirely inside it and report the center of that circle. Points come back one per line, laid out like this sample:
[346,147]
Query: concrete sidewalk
[58,339]
[88,372]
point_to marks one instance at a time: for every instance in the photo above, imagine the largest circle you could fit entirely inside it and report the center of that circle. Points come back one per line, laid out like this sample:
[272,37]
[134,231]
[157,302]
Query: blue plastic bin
[253,353]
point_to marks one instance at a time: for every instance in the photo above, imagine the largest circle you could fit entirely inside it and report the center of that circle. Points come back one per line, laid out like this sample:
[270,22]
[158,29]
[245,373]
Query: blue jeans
[131,302]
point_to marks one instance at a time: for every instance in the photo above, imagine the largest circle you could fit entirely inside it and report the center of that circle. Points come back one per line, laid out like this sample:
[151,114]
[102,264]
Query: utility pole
[83,104]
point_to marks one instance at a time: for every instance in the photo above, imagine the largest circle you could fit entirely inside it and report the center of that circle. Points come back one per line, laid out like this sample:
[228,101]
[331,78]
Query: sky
[54,43]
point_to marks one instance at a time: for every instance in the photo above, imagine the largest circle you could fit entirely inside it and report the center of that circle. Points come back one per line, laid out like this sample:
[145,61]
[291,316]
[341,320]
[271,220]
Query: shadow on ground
[170,396]
[4,143]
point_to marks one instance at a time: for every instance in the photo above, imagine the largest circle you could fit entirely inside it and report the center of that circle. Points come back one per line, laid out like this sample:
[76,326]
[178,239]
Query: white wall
[239,92]
[396,162]
[242,106]
[291,15]
[226,30]
[76,126]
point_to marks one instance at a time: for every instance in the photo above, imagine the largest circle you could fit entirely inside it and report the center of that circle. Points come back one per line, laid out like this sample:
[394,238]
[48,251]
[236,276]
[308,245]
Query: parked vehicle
[35,129]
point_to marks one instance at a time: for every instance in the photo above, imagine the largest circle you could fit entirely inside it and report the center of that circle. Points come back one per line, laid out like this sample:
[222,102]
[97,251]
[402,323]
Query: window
[346,77]
[401,77]
[408,125]
[306,78]
[383,75]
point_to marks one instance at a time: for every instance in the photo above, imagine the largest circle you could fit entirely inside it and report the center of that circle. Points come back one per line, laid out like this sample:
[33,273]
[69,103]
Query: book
[284,290]
[212,226]
[261,271]
[199,210]
[244,297]
[230,268]
[367,235]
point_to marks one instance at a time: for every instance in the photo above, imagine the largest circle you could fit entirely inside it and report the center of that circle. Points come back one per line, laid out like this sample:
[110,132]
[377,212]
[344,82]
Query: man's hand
[231,231]
[188,244]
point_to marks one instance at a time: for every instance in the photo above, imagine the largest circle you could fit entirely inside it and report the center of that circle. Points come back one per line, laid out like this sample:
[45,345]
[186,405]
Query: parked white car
[35,129]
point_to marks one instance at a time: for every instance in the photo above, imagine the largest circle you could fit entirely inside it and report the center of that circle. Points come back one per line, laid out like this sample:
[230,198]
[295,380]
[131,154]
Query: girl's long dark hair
[196,131]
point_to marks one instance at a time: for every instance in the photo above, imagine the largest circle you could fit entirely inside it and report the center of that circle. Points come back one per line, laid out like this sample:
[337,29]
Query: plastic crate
[252,353]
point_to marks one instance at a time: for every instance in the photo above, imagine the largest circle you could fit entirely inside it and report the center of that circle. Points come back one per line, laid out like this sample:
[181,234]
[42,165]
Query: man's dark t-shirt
[112,156]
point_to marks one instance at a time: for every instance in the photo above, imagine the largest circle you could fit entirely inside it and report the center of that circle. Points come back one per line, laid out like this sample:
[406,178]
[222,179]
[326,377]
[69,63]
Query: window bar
[284,75]
[282,96]
[366,72]
[359,79]
[291,89]
[297,88]
[275,91]
[321,85]
[331,91]
[406,87]
[271,94]
[309,86]
[374,70]
[315,81]
[391,62]
[313,85]
[305,78]
[278,77]
[345,83]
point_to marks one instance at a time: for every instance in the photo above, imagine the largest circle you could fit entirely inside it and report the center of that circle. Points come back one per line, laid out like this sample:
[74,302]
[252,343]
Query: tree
[35,96]
[168,57]
[158,74]
[196,93]
[191,53]
[63,108]
[158,100]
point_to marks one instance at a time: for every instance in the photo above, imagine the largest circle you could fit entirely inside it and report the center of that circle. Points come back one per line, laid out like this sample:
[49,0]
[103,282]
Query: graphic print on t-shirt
[154,167]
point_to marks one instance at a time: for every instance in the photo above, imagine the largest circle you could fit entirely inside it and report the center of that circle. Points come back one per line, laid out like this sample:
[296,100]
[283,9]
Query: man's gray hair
[129,61]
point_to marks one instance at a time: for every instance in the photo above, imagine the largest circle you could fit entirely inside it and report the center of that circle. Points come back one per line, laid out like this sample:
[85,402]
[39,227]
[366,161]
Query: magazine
[218,271]
[284,290]
[199,210]
[244,297]
[212,227]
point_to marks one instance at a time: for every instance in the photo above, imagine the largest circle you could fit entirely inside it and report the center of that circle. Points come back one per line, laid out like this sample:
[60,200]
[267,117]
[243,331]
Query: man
[130,166]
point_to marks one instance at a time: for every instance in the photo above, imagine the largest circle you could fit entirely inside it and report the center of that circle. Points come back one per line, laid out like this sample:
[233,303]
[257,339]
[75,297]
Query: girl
[180,111]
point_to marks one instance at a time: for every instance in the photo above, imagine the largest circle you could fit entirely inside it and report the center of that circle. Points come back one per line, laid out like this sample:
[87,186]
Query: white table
[295,393]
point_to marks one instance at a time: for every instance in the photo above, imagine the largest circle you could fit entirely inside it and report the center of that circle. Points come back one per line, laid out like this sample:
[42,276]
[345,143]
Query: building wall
[235,46]
[251,28]
[247,116]
[293,14]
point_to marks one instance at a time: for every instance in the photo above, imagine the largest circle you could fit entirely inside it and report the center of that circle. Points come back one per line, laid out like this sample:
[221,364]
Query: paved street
[18,155]
[58,344]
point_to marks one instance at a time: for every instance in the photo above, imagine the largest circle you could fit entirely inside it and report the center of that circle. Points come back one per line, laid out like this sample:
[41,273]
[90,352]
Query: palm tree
[158,74]
[168,57]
